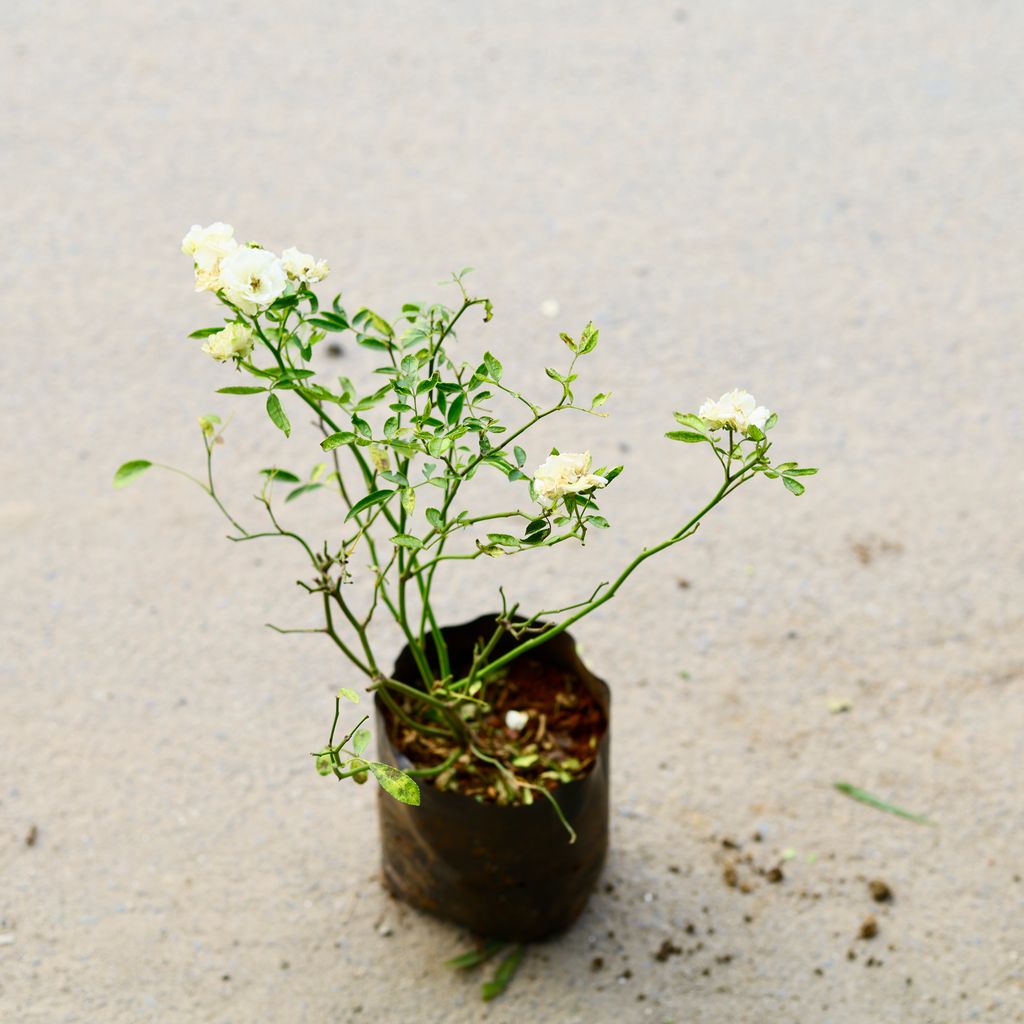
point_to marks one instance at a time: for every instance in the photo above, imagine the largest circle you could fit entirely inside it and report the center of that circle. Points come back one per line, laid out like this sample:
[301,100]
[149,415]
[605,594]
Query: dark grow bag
[503,872]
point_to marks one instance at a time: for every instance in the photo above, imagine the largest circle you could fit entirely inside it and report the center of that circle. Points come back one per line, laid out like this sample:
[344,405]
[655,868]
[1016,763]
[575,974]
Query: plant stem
[681,534]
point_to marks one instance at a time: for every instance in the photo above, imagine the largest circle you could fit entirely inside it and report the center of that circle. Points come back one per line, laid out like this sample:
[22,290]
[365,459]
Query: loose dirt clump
[667,949]
[880,891]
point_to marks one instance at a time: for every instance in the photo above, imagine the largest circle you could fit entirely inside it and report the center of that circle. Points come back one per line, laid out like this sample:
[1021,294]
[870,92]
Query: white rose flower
[568,473]
[736,410]
[301,266]
[516,720]
[252,278]
[235,341]
[208,246]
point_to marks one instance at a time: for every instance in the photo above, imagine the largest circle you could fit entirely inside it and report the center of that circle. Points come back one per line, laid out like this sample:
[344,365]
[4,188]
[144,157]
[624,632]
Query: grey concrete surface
[821,202]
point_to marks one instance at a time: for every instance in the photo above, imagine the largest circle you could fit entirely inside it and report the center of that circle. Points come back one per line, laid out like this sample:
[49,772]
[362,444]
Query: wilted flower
[208,246]
[737,410]
[234,342]
[301,266]
[568,473]
[516,720]
[252,278]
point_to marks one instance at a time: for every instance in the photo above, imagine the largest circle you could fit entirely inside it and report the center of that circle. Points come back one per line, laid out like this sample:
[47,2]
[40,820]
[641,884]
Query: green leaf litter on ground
[503,975]
[481,954]
[475,957]
[856,793]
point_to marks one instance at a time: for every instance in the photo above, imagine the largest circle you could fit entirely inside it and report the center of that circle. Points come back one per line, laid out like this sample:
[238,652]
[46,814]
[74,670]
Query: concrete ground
[819,202]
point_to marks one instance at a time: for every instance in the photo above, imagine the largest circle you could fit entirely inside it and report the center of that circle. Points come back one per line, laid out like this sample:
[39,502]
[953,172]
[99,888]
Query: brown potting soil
[558,744]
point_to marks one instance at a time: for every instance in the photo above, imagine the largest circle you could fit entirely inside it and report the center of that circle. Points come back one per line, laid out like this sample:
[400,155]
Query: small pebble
[880,891]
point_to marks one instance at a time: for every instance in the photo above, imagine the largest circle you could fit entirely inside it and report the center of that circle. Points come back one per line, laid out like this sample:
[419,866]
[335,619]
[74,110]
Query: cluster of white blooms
[737,410]
[234,342]
[208,246]
[568,473]
[516,720]
[301,266]
[250,277]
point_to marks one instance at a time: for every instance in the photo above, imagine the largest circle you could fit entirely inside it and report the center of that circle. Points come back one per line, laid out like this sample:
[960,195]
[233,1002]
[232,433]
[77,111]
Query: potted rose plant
[493,737]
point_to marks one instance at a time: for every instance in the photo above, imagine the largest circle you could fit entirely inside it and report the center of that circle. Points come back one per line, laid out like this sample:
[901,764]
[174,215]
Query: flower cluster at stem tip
[565,473]
[737,410]
[248,276]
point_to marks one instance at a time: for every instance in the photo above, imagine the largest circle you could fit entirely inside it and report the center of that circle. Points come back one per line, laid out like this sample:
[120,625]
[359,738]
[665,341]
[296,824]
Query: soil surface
[820,202]
[558,744]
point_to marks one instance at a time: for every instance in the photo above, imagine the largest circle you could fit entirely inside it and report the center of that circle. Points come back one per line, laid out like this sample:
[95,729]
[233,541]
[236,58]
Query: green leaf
[455,410]
[568,340]
[434,518]
[290,373]
[362,426]
[277,414]
[337,440]
[494,367]
[520,456]
[588,340]
[375,498]
[692,421]
[503,975]
[360,740]
[205,332]
[755,433]
[129,471]
[686,435]
[405,540]
[503,538]
[525,760]
[855,793]
[367,317]
[599,521]
[302,490]
[280,474]
[771,421]
[350,695]
[396,783]
[793,486]
[807,471]
[334,324]
[475,957]
[554,374]
[240,389]
[599,399]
